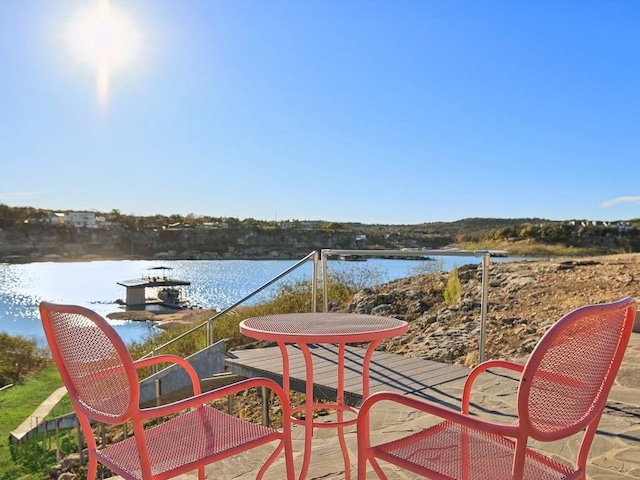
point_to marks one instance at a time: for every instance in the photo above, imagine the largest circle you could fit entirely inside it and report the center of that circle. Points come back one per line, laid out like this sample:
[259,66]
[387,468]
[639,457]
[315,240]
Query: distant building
[75,219]
[57,219]
[102,222]
[214,225]
[624,227]
[82,219]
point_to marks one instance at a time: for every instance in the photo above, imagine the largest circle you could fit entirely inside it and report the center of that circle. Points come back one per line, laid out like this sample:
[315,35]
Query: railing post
[230,404]
[486,259]
[158,387]
[265,407]
[154,367]
[58,440]
[80,443]
[314,284]
[325,283]
[44,443]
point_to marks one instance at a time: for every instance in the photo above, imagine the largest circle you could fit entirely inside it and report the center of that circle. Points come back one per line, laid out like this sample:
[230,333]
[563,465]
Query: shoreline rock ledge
[524,299]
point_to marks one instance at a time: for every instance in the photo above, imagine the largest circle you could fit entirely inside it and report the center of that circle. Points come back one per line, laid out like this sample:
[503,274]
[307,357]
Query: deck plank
[388,371]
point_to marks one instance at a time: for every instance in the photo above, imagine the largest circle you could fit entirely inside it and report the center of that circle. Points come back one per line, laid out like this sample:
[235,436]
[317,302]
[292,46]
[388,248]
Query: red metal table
[304,329]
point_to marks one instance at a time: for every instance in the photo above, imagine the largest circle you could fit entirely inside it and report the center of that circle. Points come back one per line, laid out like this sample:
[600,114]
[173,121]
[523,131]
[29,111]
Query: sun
[106,40]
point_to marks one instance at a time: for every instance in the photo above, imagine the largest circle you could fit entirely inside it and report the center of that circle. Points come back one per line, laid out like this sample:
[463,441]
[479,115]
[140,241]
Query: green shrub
[453,290]
[20,357]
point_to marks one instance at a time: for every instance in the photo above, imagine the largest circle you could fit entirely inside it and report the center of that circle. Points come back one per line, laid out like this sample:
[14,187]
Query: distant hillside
[28,234]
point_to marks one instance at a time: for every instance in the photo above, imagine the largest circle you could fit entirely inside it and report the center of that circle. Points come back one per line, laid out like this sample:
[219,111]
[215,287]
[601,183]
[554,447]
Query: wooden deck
[388,371]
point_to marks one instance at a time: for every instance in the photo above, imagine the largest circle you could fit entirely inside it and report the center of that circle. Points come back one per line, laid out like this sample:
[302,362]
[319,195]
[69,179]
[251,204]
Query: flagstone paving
[614,455]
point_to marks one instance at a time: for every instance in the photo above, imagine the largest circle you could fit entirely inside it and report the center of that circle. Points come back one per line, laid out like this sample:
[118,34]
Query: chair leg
[92,467]
[201,473]
[378,469]
[362,465]
[288,458]
[269,461]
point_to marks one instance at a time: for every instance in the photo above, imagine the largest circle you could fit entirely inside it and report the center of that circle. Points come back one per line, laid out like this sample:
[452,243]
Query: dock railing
[484,254]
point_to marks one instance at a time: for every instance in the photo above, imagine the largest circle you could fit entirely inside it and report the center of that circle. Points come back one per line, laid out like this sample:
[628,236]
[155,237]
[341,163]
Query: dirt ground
[544,290]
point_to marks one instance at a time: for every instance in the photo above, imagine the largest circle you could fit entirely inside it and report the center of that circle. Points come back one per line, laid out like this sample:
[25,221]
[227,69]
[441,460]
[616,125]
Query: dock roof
[150,282]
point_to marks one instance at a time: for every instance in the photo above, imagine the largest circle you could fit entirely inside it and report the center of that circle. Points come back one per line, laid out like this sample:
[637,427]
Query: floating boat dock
[170,291]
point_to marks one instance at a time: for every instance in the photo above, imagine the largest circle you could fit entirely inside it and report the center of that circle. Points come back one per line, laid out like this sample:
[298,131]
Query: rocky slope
[524,299]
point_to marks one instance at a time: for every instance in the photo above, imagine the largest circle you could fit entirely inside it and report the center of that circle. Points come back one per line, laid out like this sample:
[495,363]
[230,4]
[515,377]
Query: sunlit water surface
[214,284]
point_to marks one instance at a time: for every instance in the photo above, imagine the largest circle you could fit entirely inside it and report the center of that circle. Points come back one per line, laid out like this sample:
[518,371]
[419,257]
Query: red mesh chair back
[185,435]
[566,381]
[562,391]
[94,363]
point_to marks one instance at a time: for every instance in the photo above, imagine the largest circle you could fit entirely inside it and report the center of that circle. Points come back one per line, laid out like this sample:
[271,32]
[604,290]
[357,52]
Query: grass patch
[29,462]
[526,248]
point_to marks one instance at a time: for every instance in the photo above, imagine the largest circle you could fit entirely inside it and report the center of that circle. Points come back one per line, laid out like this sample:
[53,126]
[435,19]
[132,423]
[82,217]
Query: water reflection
[214,284]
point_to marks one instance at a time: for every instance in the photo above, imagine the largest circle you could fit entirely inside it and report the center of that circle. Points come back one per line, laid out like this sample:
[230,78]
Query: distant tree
[129,222]
[553,232]
[251,223]
[504,233]
[334,226]
[9,216]
[529,230]
[114,216]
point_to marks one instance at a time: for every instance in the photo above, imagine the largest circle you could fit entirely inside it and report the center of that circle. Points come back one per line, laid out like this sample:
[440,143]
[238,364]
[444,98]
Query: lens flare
[106,40]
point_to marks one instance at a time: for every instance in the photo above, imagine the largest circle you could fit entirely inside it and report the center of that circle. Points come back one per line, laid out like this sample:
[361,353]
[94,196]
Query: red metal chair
[101,378]
[562,391]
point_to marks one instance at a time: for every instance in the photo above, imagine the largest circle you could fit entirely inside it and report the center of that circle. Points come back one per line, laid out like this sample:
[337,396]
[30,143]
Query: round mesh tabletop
[322,327]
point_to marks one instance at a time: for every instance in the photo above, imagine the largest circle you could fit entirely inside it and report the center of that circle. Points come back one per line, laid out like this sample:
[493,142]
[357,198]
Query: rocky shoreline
[524,299]
[168,319]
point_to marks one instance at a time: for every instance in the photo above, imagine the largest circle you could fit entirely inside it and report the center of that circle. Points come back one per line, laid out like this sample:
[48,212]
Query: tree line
[460,231]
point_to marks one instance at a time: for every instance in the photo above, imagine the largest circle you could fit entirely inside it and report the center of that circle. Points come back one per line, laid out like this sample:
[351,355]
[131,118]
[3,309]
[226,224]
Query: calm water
[214,284]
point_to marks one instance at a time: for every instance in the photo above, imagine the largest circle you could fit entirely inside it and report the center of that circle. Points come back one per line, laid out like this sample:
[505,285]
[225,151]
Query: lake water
[214,284]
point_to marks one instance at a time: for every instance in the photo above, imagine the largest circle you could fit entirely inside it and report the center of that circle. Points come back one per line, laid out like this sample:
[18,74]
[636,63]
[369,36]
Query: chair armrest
[433,409]
[199,400]
[475,373]
[195,380]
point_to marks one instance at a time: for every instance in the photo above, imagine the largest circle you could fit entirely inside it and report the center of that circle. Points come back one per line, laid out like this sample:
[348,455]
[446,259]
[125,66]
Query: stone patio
[613,456]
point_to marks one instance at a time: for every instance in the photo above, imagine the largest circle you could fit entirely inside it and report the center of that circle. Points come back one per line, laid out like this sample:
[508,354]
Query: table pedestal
[304,329]
[309,406]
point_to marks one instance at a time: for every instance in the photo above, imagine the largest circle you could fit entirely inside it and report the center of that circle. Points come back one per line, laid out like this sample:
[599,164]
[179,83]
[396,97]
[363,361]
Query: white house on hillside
[75,219]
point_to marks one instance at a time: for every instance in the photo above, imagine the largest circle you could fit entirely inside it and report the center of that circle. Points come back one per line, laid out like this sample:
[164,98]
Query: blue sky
[378,111]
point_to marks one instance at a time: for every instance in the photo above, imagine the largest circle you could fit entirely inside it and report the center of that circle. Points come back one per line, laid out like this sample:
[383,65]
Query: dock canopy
[156,278]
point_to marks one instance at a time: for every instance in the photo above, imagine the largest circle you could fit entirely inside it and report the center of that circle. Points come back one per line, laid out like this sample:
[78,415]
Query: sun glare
[106,40]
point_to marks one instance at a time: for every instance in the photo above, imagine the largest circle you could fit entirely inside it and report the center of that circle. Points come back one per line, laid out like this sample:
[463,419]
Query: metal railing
[323,256]
[313,256]
[484,254]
